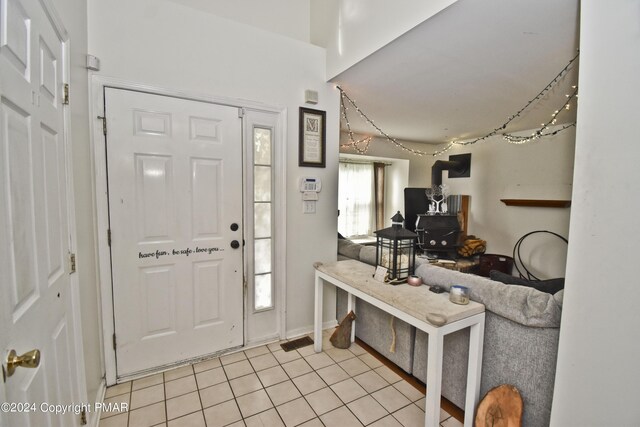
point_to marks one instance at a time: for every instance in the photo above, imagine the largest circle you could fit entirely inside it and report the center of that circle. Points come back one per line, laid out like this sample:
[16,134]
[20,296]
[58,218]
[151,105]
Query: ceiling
[463,72]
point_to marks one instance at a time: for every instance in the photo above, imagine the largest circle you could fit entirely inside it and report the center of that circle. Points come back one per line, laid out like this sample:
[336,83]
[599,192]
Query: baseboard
[295,333]
[262,341]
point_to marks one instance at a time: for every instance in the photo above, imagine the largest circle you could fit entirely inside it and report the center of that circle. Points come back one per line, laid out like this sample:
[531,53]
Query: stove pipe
[460,164]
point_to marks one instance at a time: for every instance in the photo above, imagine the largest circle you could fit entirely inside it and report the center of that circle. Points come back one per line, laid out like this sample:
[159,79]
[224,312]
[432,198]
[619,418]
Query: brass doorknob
[30,359]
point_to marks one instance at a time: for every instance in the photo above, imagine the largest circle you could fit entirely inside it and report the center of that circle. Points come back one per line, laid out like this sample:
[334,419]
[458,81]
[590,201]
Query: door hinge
[104,124]
[72,263]
[240,112]
[109,237]
[65,94]
[83,417]
[114,341]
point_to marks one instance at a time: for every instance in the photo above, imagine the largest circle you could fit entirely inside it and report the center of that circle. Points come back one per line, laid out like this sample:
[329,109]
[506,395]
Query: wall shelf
[537,203]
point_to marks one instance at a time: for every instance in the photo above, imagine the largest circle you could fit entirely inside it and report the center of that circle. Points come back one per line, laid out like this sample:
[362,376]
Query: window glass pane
[262,219]
[262,184]
[262,258]
[263,298]
[261,146]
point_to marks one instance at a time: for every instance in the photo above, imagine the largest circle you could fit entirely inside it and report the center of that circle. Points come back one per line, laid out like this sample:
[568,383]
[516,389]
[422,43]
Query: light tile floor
[266,386]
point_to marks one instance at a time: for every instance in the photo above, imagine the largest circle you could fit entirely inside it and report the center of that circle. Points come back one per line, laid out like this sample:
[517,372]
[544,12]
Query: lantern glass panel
[397,255]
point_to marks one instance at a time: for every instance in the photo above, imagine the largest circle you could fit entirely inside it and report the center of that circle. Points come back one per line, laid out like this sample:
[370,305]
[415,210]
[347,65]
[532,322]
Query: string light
[513,139]
[536,98]
[353,143]
[362,145]
[518,140]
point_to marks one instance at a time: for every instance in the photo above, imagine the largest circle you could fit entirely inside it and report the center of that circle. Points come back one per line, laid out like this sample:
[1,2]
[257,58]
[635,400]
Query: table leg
[434,379]
[317,320]
[351,305]
[474,373]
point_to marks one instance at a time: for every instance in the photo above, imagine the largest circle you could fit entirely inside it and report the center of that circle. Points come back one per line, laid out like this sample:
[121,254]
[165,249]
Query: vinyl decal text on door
[188,251]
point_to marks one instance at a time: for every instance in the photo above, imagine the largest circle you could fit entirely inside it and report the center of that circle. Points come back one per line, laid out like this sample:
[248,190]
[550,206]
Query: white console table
[427,311]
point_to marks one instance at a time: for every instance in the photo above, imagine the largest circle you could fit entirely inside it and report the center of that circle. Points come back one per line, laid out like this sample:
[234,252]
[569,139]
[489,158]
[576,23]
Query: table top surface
[417,301]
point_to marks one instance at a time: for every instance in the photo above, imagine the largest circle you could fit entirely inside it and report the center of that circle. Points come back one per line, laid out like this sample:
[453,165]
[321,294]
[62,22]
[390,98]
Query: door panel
[35,297]
[175,187]
[17,141]
[155,198]
[206,295]
[53,156]
[207,177]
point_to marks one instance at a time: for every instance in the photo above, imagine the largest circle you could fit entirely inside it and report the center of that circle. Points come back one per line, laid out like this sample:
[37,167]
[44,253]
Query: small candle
[414,280]
[459,295]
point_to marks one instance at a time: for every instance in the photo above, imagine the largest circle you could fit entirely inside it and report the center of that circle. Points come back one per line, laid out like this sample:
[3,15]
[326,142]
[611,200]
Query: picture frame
[312,127]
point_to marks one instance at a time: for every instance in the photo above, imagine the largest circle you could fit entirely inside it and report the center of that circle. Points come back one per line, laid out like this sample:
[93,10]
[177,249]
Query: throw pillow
[550,286]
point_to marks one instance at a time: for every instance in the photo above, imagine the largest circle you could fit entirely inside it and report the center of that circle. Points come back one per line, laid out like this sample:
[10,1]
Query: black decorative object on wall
[312,127]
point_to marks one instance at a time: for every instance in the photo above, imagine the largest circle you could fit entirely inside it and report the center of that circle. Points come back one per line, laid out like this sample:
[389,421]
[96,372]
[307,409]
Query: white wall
[160,43]
[419,167]
[597,374]
[286,17]
[74,17]
[542,169]
[351,30]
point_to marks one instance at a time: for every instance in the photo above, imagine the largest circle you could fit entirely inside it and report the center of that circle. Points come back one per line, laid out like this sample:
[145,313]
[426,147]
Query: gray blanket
[520,304]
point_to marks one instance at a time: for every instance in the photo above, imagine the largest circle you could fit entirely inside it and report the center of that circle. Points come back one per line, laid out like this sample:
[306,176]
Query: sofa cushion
[550,286]
[368,255]
[349,249]
[526,306]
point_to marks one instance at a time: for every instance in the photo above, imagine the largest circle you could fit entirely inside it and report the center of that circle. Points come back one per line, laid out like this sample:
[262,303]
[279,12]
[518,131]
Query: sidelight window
[263,212]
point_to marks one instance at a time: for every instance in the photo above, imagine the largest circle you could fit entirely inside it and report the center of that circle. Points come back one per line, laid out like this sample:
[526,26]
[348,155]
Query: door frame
[99,165]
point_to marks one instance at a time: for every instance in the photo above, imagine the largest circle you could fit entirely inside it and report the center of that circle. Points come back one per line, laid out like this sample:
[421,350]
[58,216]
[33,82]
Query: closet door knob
[30,359]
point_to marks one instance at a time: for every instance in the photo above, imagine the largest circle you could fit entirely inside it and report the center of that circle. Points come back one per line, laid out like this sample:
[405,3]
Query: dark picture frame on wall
[312,127]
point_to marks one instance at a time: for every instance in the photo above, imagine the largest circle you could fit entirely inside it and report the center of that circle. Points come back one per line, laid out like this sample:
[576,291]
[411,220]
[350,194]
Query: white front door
[36,309]
[175,212]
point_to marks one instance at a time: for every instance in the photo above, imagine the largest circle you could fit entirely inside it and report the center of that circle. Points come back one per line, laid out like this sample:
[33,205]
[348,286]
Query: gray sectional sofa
[520,340]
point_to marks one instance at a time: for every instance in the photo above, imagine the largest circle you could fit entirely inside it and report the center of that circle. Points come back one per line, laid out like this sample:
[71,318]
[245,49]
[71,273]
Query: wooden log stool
[501,407]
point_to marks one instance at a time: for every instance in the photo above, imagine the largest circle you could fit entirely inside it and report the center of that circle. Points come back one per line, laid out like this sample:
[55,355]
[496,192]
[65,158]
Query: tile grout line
[335,361]
[195,378]
[326,384]
[235,400]
[129,410]
[370,394]
[265,388]
[329,386]
[166,410]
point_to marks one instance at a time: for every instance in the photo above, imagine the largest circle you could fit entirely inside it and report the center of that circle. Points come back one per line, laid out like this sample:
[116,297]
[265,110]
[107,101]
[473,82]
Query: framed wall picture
[312,138]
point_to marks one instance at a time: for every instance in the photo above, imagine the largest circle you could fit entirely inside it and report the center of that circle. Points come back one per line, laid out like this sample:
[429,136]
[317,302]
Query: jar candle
[414,280]
[459,294]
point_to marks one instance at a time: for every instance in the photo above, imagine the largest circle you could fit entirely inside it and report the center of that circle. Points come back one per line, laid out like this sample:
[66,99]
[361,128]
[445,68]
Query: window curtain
[378,189]
[355,199]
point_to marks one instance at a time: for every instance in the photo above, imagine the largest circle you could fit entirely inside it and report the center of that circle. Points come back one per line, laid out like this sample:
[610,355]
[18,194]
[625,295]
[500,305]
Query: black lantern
[396,250]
